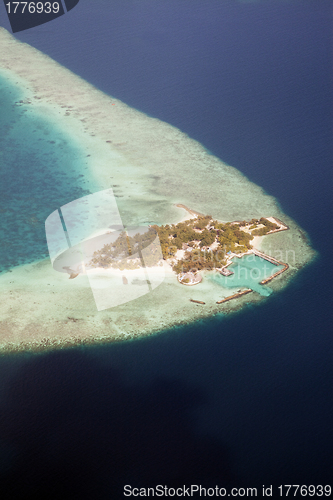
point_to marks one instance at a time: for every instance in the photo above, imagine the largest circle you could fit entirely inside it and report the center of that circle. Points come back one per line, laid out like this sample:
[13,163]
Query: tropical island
[200,243]
[151,167]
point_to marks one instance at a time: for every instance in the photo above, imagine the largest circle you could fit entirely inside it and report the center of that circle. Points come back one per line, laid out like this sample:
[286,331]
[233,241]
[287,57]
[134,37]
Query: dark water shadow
[73,429]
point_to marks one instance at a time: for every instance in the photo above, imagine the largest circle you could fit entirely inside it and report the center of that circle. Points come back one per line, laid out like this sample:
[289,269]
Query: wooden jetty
[197,301]
[268,258]
[263,282]
[239,294]
[273,261]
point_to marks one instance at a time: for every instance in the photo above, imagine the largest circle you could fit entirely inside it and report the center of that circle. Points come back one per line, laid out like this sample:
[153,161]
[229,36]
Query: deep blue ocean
[240,401]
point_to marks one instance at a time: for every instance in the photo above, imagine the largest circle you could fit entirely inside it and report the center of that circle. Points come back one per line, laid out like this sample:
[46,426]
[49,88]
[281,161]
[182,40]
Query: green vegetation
[233,239]
[206,243]
[173,236]
[197,235]
[200,259]
[268,226]
[125,251]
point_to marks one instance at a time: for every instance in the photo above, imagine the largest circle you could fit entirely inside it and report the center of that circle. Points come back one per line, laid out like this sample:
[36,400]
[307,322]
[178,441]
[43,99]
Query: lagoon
[41,168]
[248,271]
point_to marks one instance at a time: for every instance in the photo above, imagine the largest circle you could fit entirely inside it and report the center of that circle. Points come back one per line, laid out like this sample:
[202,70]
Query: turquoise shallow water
[248,272]
[41,170]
